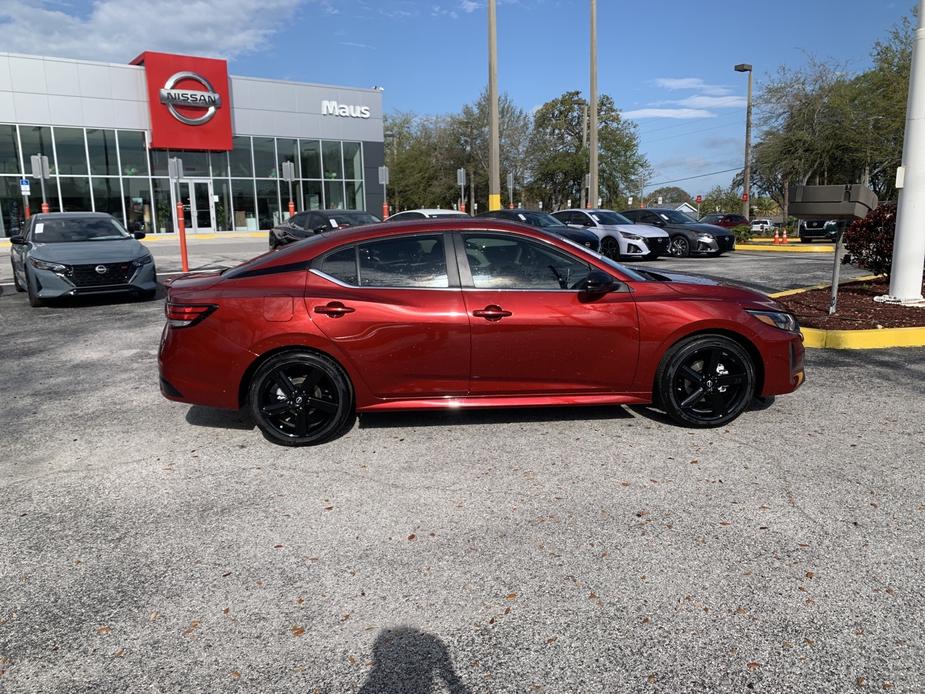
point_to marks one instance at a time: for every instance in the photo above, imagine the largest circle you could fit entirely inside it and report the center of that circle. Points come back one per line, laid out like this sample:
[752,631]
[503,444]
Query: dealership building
[109,130]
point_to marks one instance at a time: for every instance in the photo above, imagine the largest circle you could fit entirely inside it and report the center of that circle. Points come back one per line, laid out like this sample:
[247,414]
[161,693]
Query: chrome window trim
[341,283]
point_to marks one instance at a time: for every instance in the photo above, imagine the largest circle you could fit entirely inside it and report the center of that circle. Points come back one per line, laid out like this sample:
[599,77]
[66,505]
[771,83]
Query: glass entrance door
[198,205]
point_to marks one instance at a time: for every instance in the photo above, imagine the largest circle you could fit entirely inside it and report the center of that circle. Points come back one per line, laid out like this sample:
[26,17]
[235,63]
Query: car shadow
[655,414]
[220,419]
[437,418]
[409,661]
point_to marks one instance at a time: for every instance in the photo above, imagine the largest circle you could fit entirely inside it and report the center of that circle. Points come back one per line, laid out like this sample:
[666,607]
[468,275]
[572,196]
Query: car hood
[697,286]
[580,235]
[644,230]
[704,229]
[86,252]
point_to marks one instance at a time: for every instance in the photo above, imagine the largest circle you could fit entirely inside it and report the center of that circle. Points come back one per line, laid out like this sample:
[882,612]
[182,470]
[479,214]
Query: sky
[669,67]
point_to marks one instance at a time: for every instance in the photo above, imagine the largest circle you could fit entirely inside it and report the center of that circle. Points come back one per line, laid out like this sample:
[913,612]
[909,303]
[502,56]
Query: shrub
[869,241]
[743,233]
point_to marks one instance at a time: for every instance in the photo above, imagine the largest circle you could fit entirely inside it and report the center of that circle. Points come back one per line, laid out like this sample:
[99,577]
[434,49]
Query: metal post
[494,165]
[836,270]
[747,173]
[592,107]
[909,238]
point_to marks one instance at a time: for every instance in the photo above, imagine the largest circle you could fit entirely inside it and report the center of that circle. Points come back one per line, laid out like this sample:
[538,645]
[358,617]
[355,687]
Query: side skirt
[458,403]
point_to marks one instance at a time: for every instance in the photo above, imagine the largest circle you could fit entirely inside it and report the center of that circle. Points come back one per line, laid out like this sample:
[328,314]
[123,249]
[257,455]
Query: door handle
[491,312]
[335,309]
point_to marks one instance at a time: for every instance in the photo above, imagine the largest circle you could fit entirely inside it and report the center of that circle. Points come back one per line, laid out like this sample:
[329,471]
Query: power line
[683,123]
[691,178]
[692,132]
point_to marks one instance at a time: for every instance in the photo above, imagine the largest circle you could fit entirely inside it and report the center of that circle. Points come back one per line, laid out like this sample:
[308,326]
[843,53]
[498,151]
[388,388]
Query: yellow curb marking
[783,249]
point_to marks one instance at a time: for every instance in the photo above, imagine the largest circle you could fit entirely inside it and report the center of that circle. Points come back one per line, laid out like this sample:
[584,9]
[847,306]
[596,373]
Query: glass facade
[112,171]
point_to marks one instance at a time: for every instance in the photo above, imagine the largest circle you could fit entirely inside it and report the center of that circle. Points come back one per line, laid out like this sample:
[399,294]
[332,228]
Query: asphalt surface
[151,546]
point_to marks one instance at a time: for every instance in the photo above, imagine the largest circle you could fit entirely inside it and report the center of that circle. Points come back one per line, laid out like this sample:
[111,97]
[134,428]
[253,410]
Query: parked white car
[408,215]
[620,238]
[759,226]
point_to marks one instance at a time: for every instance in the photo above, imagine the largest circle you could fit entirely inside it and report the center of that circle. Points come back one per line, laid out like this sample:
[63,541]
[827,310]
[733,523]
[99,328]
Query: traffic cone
[785,236]
[776,238]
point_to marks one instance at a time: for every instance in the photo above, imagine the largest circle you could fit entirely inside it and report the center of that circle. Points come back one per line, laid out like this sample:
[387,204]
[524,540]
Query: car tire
[19,287]
[301,398]
[802,240]
[610,248]
[679,247]
[34,300]
[705,400]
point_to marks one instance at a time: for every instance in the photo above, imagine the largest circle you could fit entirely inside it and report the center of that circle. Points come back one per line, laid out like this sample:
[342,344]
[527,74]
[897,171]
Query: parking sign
[24,187]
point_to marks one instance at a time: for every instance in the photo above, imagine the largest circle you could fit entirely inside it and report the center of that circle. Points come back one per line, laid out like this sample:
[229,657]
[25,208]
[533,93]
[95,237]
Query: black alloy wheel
[19,287]
[705,381]
[301,398]
[679,247]
[610,248]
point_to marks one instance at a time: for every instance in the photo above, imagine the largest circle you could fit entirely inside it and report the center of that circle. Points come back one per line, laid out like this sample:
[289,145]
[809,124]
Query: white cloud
[678,113]
[118,30]
[693,84]
[702,101]
[469,6]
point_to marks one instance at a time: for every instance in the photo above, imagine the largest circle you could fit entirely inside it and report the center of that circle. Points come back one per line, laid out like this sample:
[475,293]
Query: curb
[881,338]
[770,248]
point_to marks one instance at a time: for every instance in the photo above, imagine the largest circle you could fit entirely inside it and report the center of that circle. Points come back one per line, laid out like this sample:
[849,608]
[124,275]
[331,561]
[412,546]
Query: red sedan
[438,314]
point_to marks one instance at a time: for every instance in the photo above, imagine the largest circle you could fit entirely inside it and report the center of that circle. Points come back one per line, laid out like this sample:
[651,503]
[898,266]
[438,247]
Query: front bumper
[784,369]
[718,244]
[78,280]
[647,247]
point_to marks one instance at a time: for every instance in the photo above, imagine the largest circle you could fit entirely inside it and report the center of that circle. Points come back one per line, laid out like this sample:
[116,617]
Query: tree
[721,200]
[559,155]
[670,194]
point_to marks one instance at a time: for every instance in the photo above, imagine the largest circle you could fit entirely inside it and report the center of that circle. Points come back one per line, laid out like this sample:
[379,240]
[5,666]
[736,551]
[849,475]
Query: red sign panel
[189,102]
[699,199]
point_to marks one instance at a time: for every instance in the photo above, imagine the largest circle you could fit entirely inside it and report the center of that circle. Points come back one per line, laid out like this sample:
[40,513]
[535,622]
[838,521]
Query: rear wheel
[610,248]
[679,247]
[705,381]
[301,398]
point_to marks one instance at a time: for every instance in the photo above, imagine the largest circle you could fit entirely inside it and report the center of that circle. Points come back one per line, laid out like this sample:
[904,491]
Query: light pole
[494,165]
[747,183]
[908,240]
[592,107]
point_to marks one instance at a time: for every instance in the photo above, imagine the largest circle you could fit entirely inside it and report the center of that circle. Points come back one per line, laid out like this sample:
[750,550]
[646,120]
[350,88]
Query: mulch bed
[857,309]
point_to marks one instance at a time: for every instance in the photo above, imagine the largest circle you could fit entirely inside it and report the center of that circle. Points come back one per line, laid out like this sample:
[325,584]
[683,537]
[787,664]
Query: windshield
[79,229]
[609,218]
[350,219]
[539,219]
[676,217]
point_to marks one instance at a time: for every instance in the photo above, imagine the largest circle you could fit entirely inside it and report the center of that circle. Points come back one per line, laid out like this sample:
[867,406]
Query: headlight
[778,319]
[143,260]
[707,237]
[630,237]
[44,265]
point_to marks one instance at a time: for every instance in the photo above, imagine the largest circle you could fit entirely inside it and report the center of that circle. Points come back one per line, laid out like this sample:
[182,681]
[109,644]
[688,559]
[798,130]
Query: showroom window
[37,140]
[240,157]
[138,203]
[331,158]
[9,150]
[267,205]
[102,149]
[265,157]
[72,153]
[242,199]
[107,196]
[311,158]
[133,153]
[75,194]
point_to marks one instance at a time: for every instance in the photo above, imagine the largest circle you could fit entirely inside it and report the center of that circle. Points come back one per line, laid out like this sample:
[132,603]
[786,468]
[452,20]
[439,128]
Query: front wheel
[705,381]
[301,398]
[610,248]
[680,247]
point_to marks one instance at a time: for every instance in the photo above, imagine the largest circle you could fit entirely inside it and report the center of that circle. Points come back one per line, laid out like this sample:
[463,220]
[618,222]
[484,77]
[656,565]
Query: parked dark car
[688,236]
[727,221]
[64,254]
[305,224]
[546,222]
[450,314]
[818,229]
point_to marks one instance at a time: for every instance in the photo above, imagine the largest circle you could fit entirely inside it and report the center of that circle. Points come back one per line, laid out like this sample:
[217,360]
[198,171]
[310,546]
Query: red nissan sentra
[438,314]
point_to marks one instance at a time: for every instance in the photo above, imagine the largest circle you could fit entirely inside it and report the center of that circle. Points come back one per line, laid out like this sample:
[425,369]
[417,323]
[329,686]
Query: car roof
[435,210]
[73,215]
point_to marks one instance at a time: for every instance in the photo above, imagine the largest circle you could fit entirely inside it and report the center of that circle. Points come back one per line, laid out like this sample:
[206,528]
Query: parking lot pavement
[150,546]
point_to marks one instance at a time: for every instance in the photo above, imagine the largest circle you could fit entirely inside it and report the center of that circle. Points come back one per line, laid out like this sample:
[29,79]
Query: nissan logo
[101,269]
[209,99]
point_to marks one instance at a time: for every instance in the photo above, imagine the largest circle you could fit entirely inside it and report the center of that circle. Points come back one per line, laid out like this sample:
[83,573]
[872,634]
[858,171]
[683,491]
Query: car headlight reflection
[45,265]
[630,237]
[143,260]
[778,319]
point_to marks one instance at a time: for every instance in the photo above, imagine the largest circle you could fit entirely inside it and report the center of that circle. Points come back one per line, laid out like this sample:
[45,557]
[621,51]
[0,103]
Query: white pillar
[909,241]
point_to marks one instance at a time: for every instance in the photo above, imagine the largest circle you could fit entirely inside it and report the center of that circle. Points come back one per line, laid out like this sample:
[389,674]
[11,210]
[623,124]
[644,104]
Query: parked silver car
[78,253]
[619,236]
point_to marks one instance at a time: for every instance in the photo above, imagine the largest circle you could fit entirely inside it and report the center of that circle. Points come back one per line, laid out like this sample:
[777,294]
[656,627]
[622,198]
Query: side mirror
[18,240]
[138,234]
[598,283]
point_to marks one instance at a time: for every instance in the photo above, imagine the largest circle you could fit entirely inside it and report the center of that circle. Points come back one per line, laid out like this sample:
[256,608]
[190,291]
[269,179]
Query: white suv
[759,226]
[620,238]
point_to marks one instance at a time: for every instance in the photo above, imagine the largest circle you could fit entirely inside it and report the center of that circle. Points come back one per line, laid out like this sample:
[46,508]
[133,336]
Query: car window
[651,218]
[299,220]
[407,261]
[607,217]
[499,261]
[341,264]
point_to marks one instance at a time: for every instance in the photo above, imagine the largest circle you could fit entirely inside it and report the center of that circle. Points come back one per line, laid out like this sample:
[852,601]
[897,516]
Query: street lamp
[747,183]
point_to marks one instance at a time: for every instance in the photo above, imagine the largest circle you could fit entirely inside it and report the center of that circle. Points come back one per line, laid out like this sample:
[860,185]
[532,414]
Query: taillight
[185,315]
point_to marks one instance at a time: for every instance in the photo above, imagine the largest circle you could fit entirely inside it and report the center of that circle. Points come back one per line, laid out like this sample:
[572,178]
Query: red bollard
[45,208]
[385,210]
[291,208]
[181,228]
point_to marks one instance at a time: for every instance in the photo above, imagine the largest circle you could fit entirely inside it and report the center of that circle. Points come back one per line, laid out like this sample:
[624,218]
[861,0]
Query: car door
[19,252]
[395,309]
[532,329]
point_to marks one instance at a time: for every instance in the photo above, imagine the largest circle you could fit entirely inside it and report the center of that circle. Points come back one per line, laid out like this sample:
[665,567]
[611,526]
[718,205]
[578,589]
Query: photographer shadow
[409,661]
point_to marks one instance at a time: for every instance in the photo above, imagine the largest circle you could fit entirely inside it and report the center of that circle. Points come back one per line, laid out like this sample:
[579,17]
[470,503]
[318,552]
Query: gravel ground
[150,546]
